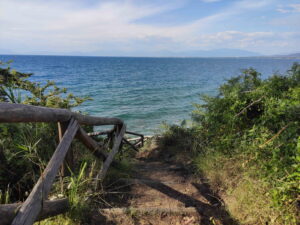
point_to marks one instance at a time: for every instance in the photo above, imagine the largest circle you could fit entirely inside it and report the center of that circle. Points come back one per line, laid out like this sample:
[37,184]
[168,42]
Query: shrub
[26,148]
[257,121]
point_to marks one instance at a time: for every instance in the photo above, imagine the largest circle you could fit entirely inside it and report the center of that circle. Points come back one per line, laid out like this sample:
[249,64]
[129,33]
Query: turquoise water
[142,91]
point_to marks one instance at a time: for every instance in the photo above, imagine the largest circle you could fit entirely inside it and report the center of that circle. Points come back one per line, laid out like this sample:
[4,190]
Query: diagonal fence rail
[36,206]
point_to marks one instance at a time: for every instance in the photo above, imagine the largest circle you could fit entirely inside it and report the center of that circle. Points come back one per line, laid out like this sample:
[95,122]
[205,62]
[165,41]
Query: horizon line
[103,56]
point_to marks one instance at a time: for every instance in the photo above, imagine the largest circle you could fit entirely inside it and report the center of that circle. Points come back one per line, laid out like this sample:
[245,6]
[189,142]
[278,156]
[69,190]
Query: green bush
[259,118]
[26,148]
[256,120]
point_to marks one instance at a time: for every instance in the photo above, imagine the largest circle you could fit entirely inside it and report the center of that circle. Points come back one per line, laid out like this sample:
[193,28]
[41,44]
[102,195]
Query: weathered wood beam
[138,138]
[133,133]
[138,142]
[137,134]
[111,155]
[130,144]
[96,133]
[11,113]
[49,209]
[68,162]
[32,206]
[91,144]
[94,147]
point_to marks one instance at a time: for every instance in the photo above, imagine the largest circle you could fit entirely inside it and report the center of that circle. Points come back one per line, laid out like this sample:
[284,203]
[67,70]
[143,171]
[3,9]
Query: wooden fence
[36,206]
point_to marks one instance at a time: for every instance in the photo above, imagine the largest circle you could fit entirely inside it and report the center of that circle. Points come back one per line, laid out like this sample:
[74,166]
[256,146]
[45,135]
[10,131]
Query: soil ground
[164,192]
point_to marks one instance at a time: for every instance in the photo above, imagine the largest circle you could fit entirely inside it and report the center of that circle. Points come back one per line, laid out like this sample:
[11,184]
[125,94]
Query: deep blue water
[142,91]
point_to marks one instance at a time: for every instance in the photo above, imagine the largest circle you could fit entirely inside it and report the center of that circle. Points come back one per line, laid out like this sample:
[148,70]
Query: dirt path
[165,193]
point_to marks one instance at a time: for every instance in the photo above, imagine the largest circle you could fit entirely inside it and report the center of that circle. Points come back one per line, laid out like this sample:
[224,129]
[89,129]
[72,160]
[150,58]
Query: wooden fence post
[120,131]
[33,205]
[69,159]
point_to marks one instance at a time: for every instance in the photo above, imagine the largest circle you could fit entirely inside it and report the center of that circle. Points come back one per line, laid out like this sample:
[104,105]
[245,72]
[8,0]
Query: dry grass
[57,220]
[245,196]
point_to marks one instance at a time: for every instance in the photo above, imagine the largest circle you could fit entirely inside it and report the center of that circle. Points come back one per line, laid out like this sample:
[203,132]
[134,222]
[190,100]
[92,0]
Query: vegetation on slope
[25,149]
[246,141]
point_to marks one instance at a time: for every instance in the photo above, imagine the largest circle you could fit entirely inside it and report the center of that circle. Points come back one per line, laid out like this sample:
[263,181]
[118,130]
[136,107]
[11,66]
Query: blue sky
[148,28]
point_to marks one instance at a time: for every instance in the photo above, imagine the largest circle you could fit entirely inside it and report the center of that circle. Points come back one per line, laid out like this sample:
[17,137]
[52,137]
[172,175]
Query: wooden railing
[134,143]
[36,206]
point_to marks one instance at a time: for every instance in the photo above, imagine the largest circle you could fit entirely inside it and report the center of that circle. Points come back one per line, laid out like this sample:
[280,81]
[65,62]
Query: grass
[246,196]
[5,196]
[59,220]
[82,197]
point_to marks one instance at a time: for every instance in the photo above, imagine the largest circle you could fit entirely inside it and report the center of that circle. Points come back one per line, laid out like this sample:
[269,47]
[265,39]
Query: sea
[144,92]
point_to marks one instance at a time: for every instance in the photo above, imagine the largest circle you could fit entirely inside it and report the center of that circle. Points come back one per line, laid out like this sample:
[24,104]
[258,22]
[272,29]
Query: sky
[148,28]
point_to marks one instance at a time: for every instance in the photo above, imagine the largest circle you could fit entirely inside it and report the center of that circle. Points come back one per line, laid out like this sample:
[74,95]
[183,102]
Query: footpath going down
[161,193]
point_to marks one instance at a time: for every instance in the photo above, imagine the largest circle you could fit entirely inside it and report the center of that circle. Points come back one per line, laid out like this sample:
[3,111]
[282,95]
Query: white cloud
[245,40]
[68,26]
[291,8]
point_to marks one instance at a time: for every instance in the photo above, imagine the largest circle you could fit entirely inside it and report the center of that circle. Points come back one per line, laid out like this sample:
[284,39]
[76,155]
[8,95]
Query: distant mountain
[168,53]
[292,55]
[221,53]
[165,53]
